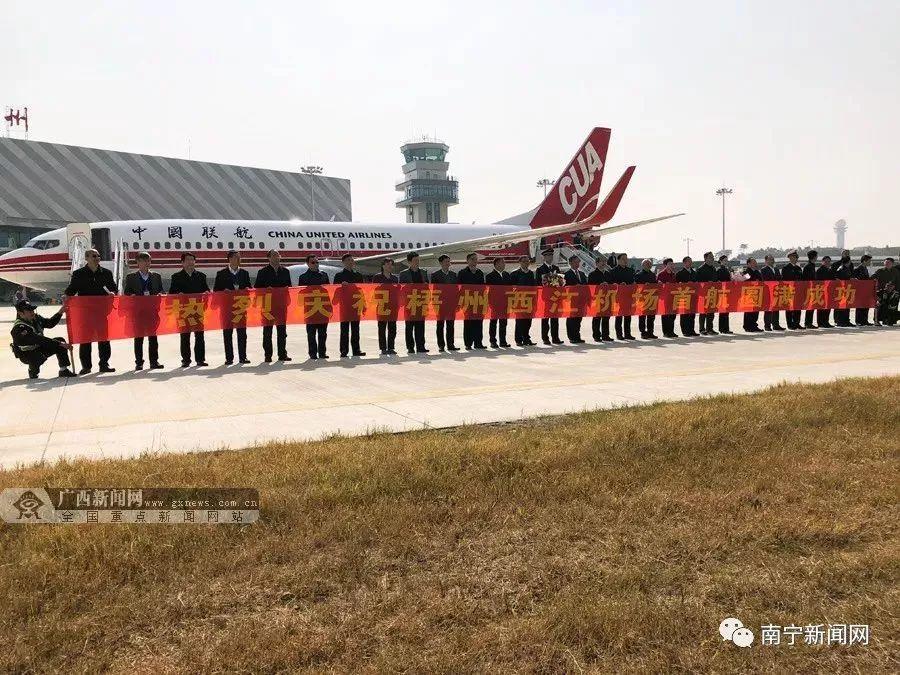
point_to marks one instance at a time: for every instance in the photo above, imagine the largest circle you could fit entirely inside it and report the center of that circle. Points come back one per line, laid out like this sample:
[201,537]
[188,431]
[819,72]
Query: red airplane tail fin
[579,184]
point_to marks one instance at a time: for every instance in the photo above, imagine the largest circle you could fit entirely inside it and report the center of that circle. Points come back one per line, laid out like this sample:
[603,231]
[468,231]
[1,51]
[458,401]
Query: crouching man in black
[31,346]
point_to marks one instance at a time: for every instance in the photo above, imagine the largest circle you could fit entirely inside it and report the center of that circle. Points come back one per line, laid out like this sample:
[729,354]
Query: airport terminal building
[44,186]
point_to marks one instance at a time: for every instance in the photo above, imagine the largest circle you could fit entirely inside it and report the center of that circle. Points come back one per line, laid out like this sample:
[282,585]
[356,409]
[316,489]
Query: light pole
[545,183]
[722,192]
[312,171]
[688,241]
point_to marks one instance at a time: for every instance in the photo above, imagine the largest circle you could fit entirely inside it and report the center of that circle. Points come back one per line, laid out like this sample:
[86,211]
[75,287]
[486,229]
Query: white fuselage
[44,264]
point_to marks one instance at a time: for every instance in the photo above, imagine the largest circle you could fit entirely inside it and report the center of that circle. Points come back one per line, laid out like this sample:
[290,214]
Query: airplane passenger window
[352,244]
[156,244]
[146,244]
[280,244]
[378,245]
[371,245]
[199,246]
[411,245]
[242,245]
[251,244]
[403,244]
[135,245]
[318,246]
[177,244]
[418,244]
[167,244]
[187,244]
[219,244]
[327,244]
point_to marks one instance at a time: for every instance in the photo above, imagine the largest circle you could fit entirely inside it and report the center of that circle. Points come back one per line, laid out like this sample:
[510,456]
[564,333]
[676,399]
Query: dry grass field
[600,542]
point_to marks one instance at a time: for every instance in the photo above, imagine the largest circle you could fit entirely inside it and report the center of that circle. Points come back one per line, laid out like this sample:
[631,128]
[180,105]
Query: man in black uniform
[843,271]
[687,275]
[707,272]
[144,282]
[523,277]
[31,346]
[498,277]
[646,321]
[274,275]
[574,277]
[414,329]
[387,330]
[769,273]
[792,272]
[600,324]
[349,329]
[445,329]
[723,273]
[809,274]
[623,275]
[861,272]
[473,329]
[549,327]
[316,333]
[235,278]
[751,319]
[825,272]
[92,280]
[189,280]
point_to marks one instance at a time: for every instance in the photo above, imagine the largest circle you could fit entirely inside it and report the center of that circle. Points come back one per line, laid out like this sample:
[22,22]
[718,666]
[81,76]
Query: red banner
[97,318]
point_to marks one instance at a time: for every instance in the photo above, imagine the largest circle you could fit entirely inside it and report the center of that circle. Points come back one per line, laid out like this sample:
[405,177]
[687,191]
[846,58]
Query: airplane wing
[498,241]
[587,219]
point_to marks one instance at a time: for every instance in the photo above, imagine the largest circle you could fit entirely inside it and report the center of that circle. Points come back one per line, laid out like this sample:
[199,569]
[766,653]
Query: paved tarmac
[180,410]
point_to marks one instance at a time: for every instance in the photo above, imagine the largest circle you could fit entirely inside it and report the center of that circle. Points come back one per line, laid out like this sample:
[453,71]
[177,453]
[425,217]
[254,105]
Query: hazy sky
[796,105]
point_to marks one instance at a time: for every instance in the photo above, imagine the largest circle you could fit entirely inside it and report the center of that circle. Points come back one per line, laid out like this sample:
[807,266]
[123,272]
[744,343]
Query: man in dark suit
[751,319]
[523,277]
[723,273]
[189,280]
[861,272]
[646,321]
[234,278]
[473,329]
[687,275]
[92,280]
[600,324]
[809,274]
[769,273]
[792,272]
[387,330]
[574,277]
[622,275]
[707,272]
[445,329]
[498,277]
[414,329]
[349,329]
[824,273]
[144,282]
[549,327]
[316,333]
[275,275]
[843,271]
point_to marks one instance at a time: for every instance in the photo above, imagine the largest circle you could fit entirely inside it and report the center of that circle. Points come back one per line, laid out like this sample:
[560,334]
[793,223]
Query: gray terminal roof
[54,182]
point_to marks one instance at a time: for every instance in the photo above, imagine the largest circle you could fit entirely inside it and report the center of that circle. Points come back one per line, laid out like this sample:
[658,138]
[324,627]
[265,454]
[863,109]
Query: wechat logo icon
[733,630]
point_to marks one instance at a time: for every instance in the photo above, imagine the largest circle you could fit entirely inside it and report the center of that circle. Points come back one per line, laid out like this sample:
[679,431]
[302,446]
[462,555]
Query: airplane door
[100,241]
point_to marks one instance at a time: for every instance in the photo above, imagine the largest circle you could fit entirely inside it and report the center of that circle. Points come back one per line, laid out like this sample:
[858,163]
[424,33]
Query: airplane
[573,205]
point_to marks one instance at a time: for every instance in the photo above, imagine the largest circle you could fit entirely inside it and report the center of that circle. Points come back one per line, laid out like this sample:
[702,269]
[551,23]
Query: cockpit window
[41,244]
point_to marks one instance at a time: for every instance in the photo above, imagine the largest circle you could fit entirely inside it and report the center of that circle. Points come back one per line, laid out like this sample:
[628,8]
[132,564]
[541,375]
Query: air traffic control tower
[427,190]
